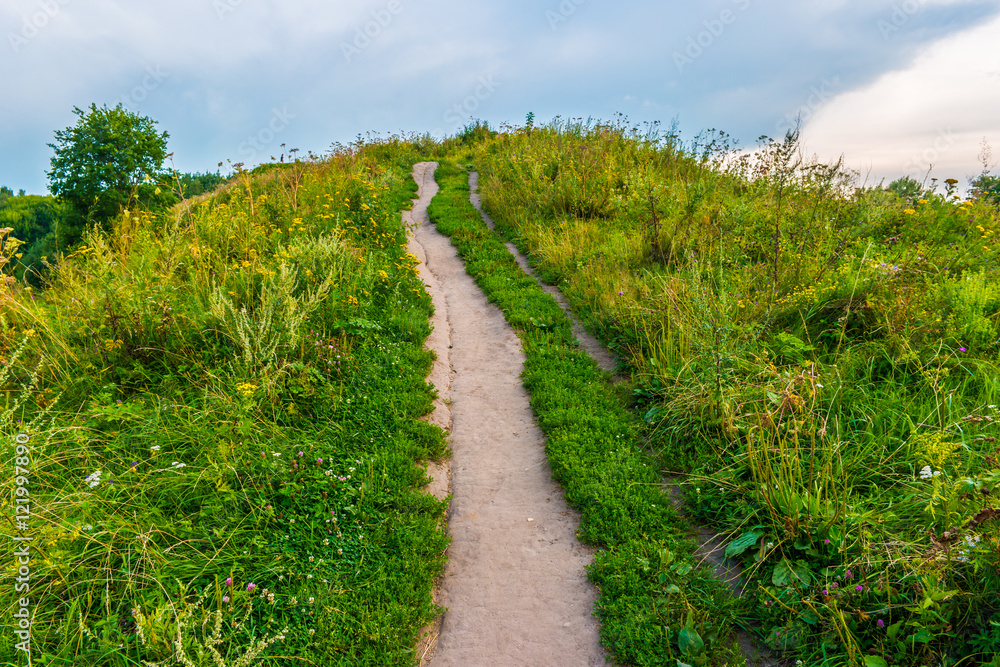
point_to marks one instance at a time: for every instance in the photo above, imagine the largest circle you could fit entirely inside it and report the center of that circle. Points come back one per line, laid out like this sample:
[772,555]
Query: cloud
[935,111]
[228,64]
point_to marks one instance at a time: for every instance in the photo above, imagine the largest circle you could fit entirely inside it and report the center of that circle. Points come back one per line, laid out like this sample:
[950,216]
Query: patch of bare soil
[515,588]
[711,546]
[600,354]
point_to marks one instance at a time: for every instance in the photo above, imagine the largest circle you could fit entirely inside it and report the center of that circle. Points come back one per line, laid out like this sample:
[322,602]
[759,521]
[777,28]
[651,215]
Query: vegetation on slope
[656,605]
[213,414]
[819,362]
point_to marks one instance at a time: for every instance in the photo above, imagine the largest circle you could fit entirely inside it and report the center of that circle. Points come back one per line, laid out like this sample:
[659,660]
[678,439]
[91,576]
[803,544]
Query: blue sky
[894,85]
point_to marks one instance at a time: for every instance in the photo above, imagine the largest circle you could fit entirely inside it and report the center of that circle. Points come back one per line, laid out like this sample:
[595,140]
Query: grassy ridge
[821,362]
[654,603]
[220,413]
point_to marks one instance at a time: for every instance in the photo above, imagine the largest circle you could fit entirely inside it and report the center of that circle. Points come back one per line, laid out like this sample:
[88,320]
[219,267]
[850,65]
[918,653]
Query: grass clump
[820,362]
[219,408]
[655,602]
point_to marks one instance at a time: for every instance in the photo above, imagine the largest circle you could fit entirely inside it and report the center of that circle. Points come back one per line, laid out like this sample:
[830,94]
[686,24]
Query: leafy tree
[33,220]
[5,194]
[109,160]
[986,188]
[907,188]
[197,183]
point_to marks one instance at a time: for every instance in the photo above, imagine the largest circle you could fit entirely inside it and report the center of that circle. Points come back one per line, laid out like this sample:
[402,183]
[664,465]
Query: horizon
[895,87]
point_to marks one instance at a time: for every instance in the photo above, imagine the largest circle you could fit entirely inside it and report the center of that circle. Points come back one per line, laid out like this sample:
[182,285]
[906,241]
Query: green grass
[801,350]
[221,411]
[654,603]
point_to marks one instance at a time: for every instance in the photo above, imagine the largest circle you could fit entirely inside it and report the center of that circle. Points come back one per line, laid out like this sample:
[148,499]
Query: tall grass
[819,360]
[220,407]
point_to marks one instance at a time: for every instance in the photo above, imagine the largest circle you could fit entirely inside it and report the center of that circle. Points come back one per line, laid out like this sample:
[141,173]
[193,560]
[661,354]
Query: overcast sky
[895,85]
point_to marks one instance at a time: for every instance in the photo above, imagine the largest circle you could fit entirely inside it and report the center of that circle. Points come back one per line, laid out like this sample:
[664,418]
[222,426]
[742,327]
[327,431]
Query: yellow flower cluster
[246,388]
[934,449]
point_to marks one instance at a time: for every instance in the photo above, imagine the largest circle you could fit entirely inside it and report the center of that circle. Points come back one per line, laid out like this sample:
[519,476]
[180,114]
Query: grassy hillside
[213,418]
[819,364]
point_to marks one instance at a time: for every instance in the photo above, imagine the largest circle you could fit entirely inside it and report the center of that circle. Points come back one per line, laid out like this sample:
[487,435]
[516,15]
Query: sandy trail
[711,546]
[515,586]
[600,354]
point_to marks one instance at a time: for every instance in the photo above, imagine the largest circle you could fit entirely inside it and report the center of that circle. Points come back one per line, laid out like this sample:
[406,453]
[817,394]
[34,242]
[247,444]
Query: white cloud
[936,111]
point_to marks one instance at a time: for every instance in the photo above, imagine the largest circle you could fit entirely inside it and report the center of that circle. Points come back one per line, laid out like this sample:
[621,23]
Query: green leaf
[742,543]
[787,573]
[875,661]
[690,642]
[783,574]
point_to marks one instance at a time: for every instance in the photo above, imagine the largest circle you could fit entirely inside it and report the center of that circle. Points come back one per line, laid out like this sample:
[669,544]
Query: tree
[907,188]
[109,160]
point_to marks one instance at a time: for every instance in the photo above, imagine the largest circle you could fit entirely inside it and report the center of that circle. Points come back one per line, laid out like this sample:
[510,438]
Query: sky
[895,86]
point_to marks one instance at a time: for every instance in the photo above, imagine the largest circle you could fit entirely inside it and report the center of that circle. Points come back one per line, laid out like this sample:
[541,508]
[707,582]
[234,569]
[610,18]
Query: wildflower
[311,632]
[300,453]
[835,585]
[927,473]
[849,575]
[880,623]
[319,461]
[961,349]
[225,598]
[311,600]
[250,587]
[826,541]
[826,592]
[155,448]
[859,588]
[229,581]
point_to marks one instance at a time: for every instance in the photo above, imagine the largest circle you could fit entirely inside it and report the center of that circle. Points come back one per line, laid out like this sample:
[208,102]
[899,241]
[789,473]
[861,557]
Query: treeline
[43,222]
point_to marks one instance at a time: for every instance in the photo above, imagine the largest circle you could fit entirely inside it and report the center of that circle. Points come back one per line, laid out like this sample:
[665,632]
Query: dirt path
[515,586]
[711,546]
[605,360]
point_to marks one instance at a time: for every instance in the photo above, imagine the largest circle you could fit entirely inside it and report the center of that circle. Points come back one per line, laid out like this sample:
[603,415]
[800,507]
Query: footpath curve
[515,586]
